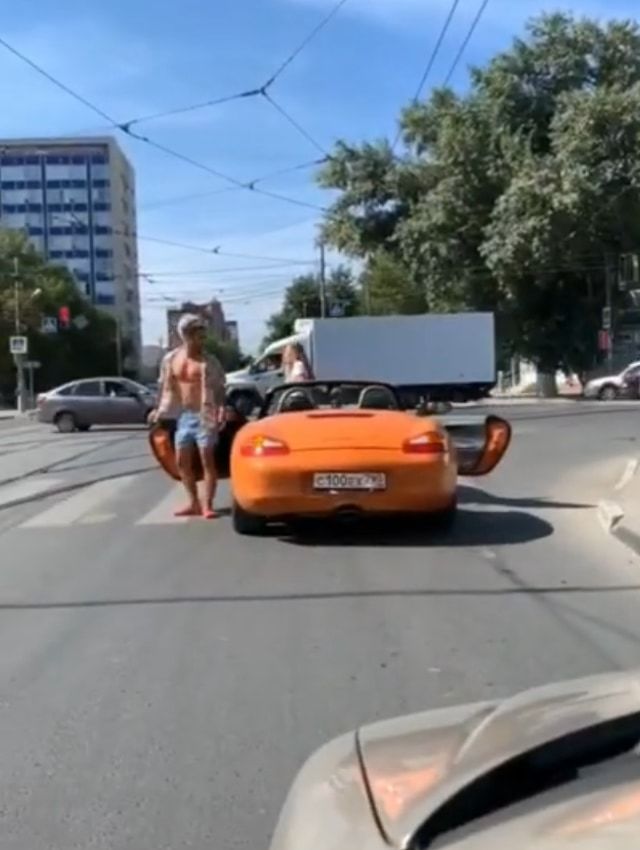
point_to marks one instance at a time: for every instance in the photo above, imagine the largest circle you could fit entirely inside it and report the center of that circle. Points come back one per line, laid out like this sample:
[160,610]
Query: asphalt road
[161,681]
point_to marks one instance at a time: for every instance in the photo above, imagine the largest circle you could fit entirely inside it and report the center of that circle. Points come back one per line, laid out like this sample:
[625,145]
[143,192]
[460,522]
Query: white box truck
[432,357]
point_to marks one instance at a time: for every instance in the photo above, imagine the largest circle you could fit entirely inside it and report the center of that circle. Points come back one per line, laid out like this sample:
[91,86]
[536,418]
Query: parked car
[96,401]
[610,387]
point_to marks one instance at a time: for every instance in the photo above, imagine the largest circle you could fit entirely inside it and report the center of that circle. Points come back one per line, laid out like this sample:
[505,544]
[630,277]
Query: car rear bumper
[283,487]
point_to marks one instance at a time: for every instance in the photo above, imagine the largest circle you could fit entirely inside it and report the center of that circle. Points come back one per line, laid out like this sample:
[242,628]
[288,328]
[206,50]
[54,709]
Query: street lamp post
[21,389]
[18,358]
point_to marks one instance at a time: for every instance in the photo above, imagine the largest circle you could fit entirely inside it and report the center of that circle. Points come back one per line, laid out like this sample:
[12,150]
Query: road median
[619,512]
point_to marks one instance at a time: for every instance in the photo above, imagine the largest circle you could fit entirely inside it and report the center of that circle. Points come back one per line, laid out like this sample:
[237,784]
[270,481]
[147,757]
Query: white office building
[75,198]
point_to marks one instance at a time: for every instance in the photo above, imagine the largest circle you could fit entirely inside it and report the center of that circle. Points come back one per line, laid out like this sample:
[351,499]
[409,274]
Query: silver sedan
[96,401]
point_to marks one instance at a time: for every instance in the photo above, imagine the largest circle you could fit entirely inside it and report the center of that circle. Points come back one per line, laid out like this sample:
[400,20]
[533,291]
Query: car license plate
[349,481]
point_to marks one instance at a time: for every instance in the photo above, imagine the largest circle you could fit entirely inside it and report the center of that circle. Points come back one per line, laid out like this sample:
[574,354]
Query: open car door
[480,445]
[162,443]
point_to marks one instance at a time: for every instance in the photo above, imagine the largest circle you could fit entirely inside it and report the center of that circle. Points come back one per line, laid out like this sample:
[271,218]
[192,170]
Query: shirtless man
[192,389]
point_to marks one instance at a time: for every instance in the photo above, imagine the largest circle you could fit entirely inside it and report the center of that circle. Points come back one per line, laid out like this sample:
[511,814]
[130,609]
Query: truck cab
[247,387]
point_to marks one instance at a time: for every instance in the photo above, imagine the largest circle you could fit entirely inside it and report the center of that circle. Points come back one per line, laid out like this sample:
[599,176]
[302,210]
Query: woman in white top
[295,364]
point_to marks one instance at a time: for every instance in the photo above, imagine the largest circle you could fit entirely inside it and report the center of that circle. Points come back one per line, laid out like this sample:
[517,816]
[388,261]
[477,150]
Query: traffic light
[64,317]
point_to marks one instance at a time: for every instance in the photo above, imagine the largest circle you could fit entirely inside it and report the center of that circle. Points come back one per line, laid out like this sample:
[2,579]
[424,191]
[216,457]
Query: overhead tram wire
[248,93]
[163,202]
[194,107]
[431,61]
[465,43]
[260,91]
[217,250]
[124,128]
[244,270]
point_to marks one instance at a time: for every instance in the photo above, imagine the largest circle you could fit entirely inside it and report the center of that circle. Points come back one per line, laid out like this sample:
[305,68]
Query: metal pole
[323,282]
[118,346]
[20,388]
[609,273]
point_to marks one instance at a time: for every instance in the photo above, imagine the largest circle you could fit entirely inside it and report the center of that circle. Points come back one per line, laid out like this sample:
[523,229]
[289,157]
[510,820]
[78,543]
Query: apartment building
[211,313]
[75,199]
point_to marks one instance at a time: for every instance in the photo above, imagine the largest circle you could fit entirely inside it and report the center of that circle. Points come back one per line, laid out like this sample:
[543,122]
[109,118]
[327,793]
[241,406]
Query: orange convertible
[344,449]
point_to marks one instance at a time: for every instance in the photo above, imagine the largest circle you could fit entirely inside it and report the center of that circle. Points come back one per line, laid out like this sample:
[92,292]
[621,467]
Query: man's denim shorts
[191,432]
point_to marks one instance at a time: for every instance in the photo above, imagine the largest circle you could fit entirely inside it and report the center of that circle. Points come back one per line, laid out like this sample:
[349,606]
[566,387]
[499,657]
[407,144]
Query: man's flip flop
[208,513]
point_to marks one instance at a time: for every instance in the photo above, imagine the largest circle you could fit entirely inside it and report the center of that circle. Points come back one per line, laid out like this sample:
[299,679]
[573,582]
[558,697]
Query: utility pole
[19,358]
[610,273]
[323,281]
[118,346]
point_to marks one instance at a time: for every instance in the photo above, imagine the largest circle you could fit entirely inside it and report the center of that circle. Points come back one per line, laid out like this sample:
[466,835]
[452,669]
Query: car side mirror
[480,449]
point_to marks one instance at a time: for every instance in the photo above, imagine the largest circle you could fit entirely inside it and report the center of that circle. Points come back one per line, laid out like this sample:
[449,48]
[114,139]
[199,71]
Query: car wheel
[65,423]
[608,393]
[83,427]
[246,523]
[445,520]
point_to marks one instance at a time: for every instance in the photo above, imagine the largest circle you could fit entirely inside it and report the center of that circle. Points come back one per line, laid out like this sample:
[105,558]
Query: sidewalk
[8,413]
[620,512]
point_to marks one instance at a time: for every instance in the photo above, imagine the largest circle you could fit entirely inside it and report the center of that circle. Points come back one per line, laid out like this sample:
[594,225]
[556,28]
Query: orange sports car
[343,449]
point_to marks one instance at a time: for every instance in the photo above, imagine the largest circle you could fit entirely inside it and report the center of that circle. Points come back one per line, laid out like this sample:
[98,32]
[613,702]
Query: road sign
[81,322]
[606,318]
[337,311]
[49,325]
[32,364]
[18,344]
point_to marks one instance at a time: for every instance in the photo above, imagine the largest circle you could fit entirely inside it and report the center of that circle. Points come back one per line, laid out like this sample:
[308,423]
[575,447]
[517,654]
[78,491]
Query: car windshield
[324,395]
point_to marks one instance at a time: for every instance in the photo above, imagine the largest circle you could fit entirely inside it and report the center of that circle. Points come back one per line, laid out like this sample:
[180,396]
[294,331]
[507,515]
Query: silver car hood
[413,765]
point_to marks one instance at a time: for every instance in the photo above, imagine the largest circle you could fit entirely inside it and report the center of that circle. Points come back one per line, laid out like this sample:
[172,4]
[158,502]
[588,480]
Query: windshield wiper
[534,772]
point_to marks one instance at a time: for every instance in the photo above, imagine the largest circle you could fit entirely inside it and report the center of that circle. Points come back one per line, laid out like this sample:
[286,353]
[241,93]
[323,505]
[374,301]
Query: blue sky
[132,59]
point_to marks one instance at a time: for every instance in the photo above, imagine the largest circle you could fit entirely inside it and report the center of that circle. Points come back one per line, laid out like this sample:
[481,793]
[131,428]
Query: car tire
[246,523]
[608,393]
[65,422]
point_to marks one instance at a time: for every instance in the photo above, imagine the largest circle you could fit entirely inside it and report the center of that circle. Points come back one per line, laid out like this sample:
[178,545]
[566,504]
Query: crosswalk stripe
[83,506]
[26,489]
[162,513]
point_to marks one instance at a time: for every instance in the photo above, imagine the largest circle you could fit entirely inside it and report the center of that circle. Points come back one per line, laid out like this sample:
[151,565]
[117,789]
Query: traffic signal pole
[18,358]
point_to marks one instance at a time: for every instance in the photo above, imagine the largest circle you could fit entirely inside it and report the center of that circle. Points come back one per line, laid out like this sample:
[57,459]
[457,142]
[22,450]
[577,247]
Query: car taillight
[264,447]
[425,444]
[40,400]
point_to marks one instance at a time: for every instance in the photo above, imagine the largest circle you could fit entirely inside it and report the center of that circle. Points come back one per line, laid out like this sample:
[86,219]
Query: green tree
[42,290]
[513,197]
[302,300]
[387,288]
[227,352]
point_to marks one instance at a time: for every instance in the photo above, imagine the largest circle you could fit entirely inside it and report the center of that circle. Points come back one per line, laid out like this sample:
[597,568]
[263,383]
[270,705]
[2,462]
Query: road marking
[609,514]
[627,475]
[26,489]
[162,513]
[81,506]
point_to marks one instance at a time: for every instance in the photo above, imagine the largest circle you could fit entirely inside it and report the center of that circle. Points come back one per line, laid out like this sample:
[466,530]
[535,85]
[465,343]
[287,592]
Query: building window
[105,300]
[104,252]
[101,230]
